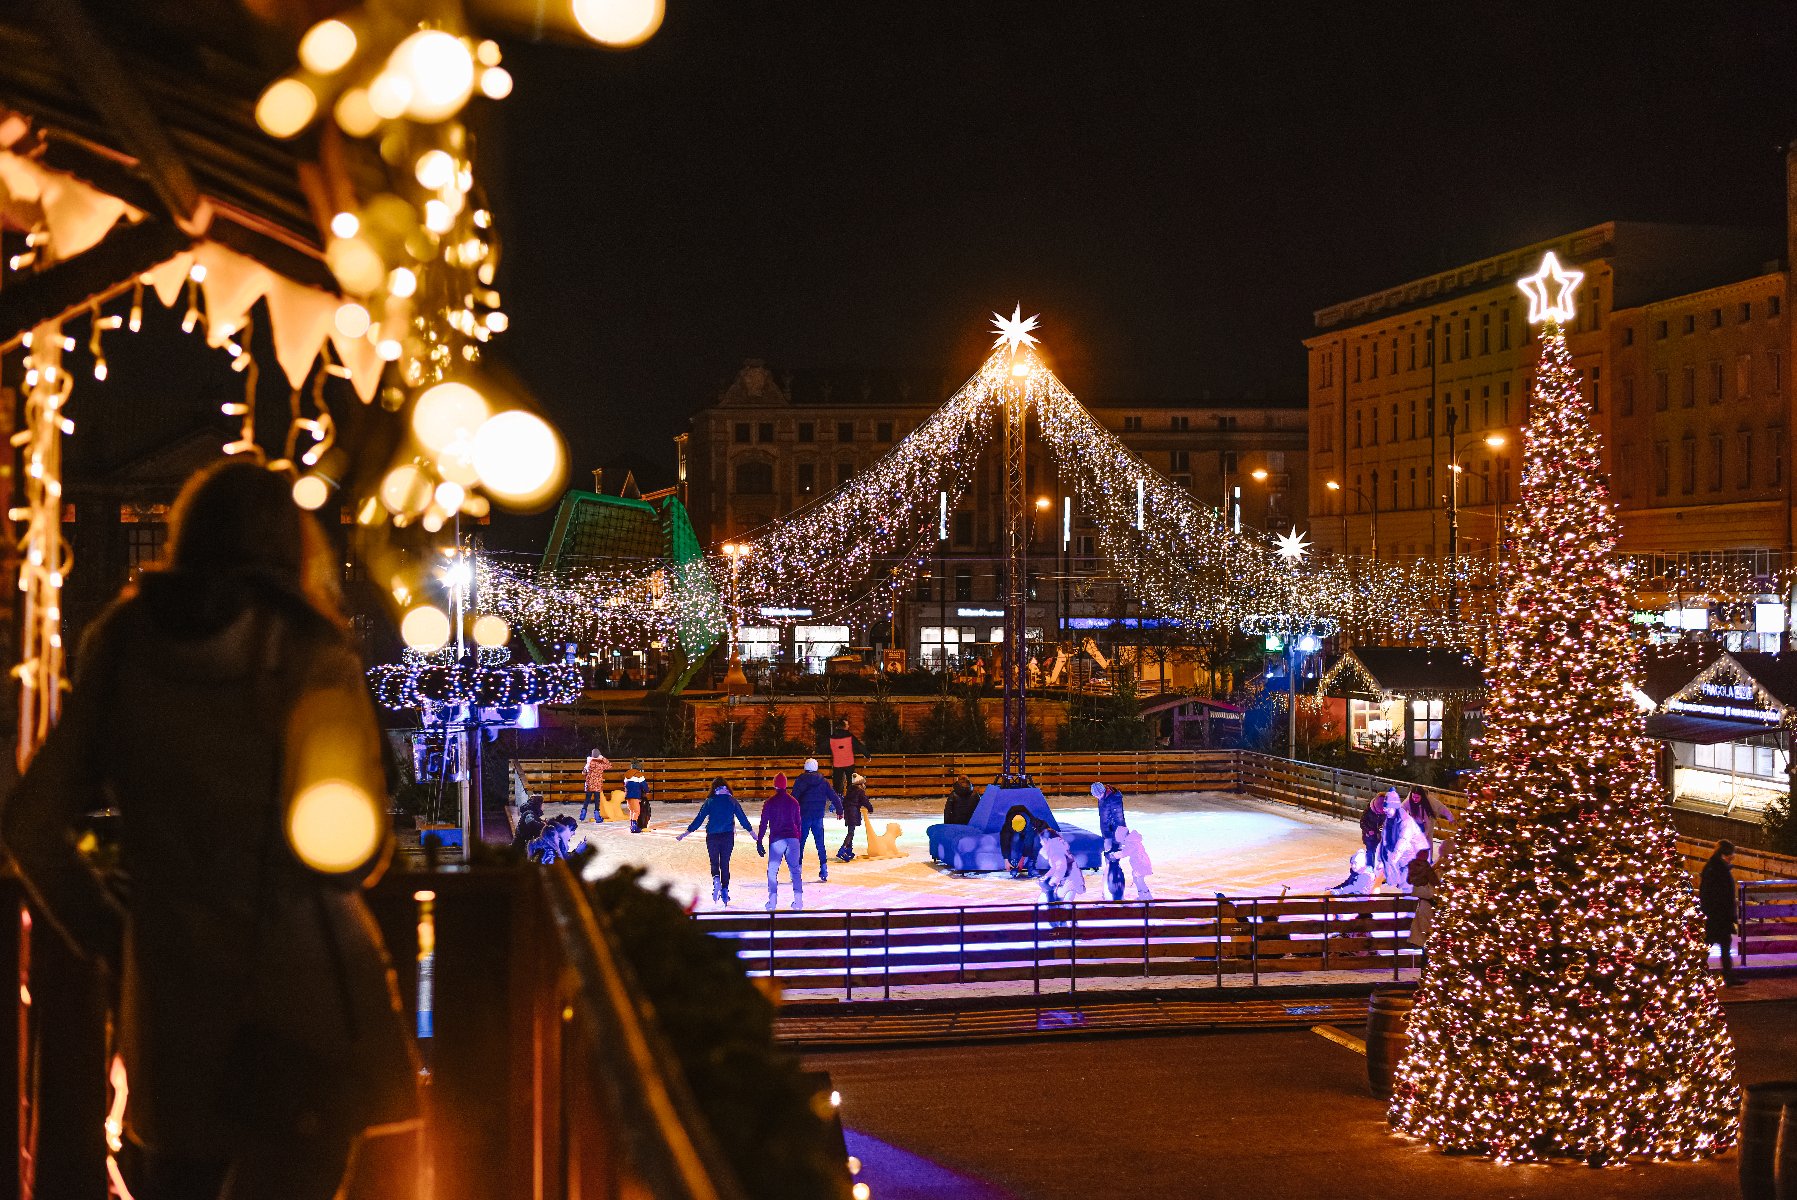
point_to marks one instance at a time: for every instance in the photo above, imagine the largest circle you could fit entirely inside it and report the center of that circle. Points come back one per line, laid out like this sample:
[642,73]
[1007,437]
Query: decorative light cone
[735,682]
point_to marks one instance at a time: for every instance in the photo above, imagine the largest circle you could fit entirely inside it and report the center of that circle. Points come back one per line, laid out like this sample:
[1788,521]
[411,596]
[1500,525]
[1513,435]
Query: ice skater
[1063,884]
[854,801]
[780,831]
[844,747]
[1431,814]
[1018,842]
[1110,819]
[1360,877]
[1400,841]
[815,797]
[720,814]
[594,779]
[636,796]
[1131,850]
[1372,827]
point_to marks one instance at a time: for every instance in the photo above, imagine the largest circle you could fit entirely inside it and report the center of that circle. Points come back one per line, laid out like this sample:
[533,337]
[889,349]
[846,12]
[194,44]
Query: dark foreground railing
[866,953]
[547,1076]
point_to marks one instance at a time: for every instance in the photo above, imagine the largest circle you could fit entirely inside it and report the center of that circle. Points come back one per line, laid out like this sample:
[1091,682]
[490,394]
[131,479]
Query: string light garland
[1566,1009]
[424,685]
[45,556]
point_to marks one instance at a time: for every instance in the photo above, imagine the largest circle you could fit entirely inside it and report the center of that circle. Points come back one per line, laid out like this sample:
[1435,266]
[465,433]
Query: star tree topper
[1014,331]
[1293,546]
[1558,307]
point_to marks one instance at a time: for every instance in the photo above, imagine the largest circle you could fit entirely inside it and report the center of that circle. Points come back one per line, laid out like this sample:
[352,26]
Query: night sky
[1174,186]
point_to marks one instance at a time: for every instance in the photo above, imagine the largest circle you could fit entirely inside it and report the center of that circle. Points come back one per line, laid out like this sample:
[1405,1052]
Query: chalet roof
[1667,668]
[1425,672]
[1777,673]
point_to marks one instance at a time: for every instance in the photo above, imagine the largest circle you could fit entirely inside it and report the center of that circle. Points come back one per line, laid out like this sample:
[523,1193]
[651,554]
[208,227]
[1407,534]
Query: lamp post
[1232,500]
[1455,469]
[1372,500]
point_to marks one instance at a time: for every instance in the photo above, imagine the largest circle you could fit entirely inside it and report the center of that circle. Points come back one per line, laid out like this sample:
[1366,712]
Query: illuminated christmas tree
[1566,1009]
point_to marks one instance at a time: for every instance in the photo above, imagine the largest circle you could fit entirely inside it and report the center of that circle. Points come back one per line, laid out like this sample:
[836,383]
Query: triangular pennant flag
[77,215]
[169,276]
[364,364]
[301,318]
[233,283]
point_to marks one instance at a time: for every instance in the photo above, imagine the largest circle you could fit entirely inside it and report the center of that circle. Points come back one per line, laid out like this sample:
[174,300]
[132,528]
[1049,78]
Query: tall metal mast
[1016,576]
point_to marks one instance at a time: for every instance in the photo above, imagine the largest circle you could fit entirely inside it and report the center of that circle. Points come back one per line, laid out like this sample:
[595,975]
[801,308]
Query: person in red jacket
[780,828]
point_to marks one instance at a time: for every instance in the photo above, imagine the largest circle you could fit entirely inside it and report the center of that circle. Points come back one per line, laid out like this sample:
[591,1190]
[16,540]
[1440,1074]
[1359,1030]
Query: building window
[1716,381]
[1662,387]
[1360,491]
[1662,468]
[1596,379]
[1623,470]
[1690,323]
[1715,462]
[1413,487]
[1181,460]
[1778,458]
[1372,361]
[1180,424]
[1687,392]
[845,471]
[1394,356]
[1357,351]
[1226,463]
[1394,489]
[1659,331]
[1484,333]
[1743,376]
[1746,310]
[922,588]
[1413,352]
[845,431]
[807,478]
[143,546]
[1504,394]
[1628,335]
[1625,403]
[1413,420]
[766,432]
[1132,424]
[1466,338]
[1745,473]
[963,528]
[1425,728]
[883,431]
[1356,442]
[742,431]
[755,478]
[1772,306]
[1687,479]
[1776,361]
[1447,344]
[1394,422]
[1503,481]
[807,431]
[1504,329]
[963,583]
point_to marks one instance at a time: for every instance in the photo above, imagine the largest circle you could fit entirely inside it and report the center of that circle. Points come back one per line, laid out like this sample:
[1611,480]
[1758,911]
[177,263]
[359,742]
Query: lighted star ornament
[1293,546]
[1559,307]
[1014,331]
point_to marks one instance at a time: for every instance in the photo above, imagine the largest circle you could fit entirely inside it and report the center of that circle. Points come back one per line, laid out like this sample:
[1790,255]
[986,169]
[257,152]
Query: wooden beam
[103,81]
[72,284]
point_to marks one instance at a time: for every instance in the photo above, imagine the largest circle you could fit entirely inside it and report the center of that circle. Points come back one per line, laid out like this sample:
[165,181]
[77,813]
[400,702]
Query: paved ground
[1201,843]
[1246,1116]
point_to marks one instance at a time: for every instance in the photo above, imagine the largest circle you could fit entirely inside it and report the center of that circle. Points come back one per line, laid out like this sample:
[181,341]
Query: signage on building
[1119,623]
[892,661]
[979,612]
[1725,690]
[777,613]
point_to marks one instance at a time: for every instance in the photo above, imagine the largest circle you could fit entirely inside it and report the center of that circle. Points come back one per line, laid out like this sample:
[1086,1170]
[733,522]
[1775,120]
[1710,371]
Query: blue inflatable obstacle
[975,846]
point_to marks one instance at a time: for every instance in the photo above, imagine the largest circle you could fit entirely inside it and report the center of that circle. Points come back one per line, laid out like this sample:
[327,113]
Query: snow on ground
[1202,843]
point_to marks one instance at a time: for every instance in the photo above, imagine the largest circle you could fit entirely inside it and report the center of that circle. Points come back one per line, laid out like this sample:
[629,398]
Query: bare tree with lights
[1566,1010]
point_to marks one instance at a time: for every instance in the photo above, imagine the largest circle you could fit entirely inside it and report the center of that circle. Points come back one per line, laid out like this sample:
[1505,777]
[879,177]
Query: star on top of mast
[1014,331]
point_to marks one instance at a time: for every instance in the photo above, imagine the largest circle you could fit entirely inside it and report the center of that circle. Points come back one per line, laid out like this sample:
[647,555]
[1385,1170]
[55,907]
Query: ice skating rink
[1202,843]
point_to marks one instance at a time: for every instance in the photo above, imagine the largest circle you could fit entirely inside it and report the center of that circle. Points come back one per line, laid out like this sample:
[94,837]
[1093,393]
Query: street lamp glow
[1494,440]
[1258,474]
[1043,503]
[1332,485]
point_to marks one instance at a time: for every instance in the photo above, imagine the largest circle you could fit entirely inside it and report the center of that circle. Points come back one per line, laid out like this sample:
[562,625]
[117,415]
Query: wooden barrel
[1762,1111]
[1387,1022]
[1784,1167]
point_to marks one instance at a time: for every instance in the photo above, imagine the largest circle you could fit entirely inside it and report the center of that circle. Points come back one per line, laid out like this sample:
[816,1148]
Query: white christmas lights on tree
[1566,1009]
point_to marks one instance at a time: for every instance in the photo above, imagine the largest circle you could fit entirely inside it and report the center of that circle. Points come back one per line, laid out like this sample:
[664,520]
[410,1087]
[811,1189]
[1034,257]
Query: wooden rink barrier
[872,951]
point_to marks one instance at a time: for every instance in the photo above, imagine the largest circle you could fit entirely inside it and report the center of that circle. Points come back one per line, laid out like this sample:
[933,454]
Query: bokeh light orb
[518,457]
[619,22]
[327,47]
[334,826]
[286,107]
[491,630]
[405,490]
[425,628]
[441,71]
[310,492]
[447,413]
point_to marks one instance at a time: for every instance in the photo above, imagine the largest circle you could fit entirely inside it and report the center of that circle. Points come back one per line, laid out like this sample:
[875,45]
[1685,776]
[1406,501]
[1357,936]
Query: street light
[1232,508]
[1373,500]
[1455,469]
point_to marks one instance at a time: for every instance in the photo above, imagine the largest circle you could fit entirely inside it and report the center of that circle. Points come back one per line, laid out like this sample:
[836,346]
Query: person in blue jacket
[815,797]
[717,813]
[1110,819]
[636,796]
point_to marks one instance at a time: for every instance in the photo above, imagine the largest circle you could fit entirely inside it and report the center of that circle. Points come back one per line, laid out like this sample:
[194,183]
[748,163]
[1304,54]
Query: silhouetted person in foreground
[219,708]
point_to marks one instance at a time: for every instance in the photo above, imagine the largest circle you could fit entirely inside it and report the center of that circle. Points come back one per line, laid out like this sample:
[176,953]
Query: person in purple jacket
[781,829]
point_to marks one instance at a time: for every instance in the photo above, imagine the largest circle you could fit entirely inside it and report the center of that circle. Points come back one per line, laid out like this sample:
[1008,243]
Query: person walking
[854,801]
[1110,819]
[844,748]
[720,814]
[1716,897]
[636,796]
[259,1024]
[596,767]
[781,831]
[815,797]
